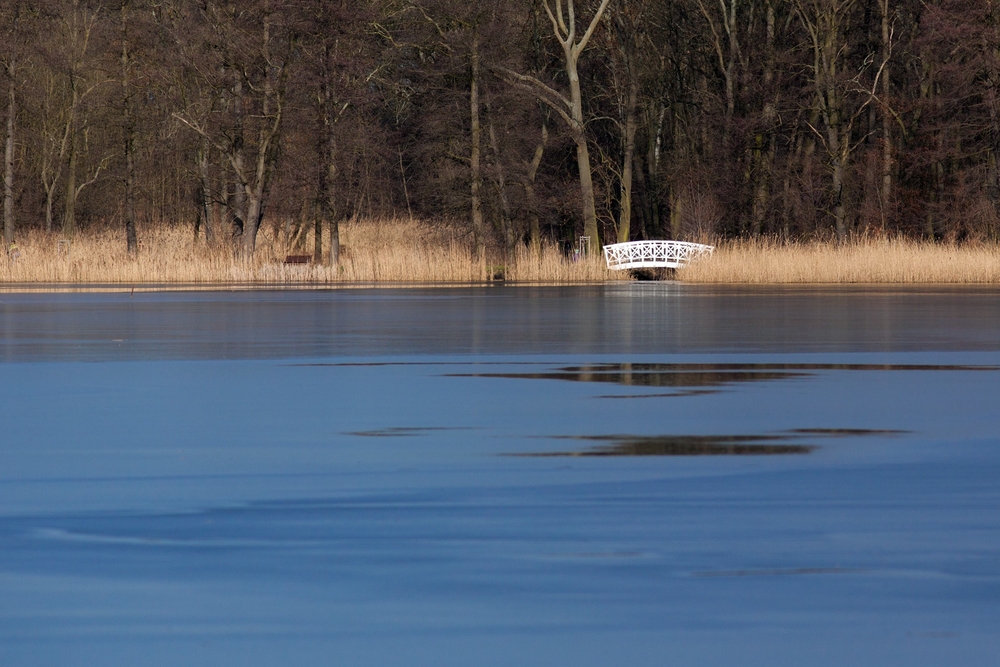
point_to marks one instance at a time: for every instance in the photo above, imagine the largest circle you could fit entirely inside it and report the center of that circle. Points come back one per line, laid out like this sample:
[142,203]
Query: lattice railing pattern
[639,254]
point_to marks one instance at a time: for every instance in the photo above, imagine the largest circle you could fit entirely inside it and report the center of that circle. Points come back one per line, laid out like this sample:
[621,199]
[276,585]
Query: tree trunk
[256,197]
[49,208]
[329,201]
[838,145]
[887,185]
[839,209]
[534,229]
[238,204]
[220,200]
[258,183]
[643,197]
[764,154]
[675,213]
[54,160]
[131,240]
[206,193]
[328,153]
[764,157]
[582,155]
[993,151]
[474,157]
[318,211]
[334,256]
[321,206]
[838,158]
[507,225]
[128,129]
[654,153]
[255,211]
[564,28]
[625,214]
[8,160]
[69,212]
[786,187]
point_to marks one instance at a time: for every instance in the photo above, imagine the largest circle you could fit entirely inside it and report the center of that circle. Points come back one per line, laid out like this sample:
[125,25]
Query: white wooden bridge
[643,254]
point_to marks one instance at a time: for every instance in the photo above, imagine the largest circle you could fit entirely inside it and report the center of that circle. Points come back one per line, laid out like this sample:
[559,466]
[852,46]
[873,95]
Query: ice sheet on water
[321,478]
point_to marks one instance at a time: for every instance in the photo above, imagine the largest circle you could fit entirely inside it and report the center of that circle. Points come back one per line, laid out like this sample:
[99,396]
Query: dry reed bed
[400,251]
[863,261]
[373,252]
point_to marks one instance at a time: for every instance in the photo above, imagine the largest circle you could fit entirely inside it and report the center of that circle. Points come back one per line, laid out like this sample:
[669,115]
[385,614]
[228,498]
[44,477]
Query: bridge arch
[652,254]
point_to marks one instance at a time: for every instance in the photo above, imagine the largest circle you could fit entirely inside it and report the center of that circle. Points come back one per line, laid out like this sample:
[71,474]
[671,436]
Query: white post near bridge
[652,254]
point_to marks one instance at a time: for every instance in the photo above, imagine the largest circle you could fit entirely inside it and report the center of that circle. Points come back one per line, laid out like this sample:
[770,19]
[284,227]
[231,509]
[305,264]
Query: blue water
[337,478]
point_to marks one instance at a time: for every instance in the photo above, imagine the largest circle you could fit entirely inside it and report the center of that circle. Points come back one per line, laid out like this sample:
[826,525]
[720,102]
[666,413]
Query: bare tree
[625,44]
[82,78]
[534,228]
[338,66]
[8,154]
[251,64]
[570,108]
[128,130]
[826,22]
[69,79]
[475,162]
[13,20]
[724,31]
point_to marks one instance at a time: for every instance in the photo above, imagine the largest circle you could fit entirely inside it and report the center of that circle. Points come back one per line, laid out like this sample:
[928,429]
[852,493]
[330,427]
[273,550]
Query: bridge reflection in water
[642,254]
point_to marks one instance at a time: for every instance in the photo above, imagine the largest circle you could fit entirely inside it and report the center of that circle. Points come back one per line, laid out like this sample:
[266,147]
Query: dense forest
[519,121]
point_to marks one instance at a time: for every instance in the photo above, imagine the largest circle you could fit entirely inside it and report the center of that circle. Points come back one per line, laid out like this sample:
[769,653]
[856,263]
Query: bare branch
[223,149]
[593,26]
[558,27]
[97,174]
[524,78]
[716,37]
[571,35]
[818,133]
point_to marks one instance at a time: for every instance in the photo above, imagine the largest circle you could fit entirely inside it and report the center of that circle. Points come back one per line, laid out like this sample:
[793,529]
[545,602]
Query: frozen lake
[632,474]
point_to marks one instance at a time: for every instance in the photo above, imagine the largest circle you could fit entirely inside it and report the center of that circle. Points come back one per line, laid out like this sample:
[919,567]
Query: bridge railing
[641,254]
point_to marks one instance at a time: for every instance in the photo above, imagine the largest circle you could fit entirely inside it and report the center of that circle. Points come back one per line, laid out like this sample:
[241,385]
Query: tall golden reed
[872,260]
[381,251]
[403,251]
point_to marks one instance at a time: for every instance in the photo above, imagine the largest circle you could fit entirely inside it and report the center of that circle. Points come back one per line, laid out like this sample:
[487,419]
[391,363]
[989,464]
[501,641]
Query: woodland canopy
[694,119]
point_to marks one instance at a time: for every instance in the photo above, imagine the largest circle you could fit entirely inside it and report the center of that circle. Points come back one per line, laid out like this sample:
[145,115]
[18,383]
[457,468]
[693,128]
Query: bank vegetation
[224,135]
[372,251]
[869,260]
[395,251]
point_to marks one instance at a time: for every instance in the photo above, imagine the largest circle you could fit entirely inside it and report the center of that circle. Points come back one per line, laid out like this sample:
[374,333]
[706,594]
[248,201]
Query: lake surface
[631,474]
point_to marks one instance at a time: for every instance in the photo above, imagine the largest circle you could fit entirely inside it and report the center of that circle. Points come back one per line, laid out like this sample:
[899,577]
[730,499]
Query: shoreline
[69,287]
[869,261]
[728,288]
[404,254]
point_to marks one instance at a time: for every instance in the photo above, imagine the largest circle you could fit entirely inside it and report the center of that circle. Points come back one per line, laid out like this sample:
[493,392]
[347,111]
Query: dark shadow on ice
[702,376]
[784,572]
[406,431]
[622,374]
[787,442]
[684,445]
[837,432]
[673,394]
[715,367]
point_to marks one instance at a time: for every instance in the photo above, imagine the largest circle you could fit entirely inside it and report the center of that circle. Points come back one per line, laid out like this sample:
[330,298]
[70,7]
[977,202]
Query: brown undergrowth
[874,260]
[389,251]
